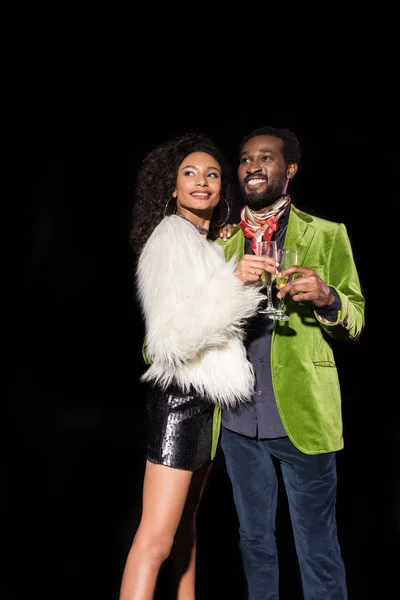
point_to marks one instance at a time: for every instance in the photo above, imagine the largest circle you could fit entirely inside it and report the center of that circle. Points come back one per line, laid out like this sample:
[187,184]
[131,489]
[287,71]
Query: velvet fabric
[304,373]
[310,484]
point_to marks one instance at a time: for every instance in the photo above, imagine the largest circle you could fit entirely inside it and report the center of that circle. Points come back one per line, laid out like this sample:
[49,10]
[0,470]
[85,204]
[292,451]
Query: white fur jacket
[194,309]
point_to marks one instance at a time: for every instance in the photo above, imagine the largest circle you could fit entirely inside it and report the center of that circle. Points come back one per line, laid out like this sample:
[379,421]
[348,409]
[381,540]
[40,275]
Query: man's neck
[275,206]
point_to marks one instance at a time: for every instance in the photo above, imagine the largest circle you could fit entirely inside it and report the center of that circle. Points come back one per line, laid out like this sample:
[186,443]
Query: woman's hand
[225,232]
[251,266]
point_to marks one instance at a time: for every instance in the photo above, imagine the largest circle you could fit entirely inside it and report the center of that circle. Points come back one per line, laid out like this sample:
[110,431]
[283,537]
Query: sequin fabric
[179,428]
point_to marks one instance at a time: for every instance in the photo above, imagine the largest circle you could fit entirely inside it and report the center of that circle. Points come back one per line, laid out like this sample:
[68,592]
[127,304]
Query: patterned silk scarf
[258,226]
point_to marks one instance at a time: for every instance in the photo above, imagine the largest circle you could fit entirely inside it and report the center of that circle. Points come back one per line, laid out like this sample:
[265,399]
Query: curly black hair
[291,145]
[156,180]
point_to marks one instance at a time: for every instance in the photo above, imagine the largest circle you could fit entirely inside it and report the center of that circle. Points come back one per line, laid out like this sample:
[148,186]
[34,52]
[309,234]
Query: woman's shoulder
[172,237]
[173,223]
[169,226]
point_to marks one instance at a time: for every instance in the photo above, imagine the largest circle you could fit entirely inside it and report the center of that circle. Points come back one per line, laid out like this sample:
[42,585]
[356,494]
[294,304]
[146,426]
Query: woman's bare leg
[164,495]
[183,554]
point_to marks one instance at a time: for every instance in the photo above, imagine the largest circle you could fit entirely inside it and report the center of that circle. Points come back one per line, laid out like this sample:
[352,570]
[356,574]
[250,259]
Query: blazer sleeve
[190,296]
[344,279]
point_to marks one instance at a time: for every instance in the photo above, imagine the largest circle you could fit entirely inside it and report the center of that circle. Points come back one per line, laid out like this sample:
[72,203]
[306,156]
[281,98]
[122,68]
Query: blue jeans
[310,483]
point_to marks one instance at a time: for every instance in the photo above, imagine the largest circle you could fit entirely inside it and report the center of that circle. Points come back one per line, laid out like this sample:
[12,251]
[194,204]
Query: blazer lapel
[300,233]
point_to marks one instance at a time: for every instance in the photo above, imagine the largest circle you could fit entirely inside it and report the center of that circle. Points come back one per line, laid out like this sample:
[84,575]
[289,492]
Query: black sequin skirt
[180,428]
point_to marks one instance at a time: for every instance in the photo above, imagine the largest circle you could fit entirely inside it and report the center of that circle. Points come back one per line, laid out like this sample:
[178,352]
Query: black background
[72,362]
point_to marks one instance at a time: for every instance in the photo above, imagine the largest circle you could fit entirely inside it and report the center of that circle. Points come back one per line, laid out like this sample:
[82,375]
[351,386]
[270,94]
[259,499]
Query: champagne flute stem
[269,298]
[281,304]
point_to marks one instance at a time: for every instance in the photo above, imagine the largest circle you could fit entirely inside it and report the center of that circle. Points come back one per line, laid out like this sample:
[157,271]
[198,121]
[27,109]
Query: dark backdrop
[73,350]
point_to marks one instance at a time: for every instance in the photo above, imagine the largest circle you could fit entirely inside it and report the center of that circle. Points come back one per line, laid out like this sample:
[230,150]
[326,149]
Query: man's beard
[272,193]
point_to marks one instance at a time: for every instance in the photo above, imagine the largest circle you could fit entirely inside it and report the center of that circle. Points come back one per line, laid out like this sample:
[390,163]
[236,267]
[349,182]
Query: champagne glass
[286,258]
[268,249]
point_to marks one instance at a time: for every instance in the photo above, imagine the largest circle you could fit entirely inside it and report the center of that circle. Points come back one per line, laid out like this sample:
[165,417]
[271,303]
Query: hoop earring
[228,212]
[166,209]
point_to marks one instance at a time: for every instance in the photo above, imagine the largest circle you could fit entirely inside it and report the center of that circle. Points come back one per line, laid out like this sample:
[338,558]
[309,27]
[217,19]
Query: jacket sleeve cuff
[330,312]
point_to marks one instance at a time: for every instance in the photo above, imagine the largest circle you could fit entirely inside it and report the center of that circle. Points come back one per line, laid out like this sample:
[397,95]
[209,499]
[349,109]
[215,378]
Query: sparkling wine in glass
[268,249]
[286,258]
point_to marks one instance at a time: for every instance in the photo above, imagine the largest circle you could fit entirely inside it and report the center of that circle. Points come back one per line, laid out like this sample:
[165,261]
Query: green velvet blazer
[304,373]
